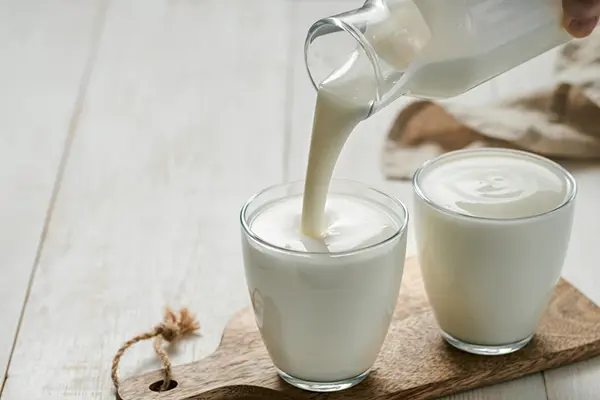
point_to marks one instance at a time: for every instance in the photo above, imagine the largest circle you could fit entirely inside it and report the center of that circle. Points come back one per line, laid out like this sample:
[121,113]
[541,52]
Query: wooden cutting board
[414,363]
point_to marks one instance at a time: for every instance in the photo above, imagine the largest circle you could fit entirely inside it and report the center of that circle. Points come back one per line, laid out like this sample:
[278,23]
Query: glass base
[323,387]
[485,350]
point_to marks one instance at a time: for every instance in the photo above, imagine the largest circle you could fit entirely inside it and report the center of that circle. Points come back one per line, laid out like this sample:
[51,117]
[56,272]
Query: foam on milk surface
[494,186]
[350,223]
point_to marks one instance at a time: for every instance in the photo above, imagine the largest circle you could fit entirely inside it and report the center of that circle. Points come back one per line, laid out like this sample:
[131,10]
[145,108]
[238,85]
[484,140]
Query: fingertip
[581,28]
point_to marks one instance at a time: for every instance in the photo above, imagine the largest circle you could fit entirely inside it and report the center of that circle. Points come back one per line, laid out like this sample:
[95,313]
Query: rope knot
[169,333]
[174,326]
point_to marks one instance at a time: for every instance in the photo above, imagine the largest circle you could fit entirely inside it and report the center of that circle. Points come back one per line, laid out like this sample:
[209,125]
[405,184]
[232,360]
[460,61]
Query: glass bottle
[432,49]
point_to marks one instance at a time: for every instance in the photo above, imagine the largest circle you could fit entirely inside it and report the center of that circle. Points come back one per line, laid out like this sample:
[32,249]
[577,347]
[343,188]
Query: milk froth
[350,224]
[490,185]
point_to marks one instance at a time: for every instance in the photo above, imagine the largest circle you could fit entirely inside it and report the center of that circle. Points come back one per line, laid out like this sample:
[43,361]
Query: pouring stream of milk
[343,100]
[346,97]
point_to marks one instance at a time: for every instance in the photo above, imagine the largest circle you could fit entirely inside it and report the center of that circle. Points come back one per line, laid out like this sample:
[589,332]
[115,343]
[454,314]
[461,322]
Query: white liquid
[473,41]
[489,277]
[494,186]
[343,100]
[350,224]
[324,317]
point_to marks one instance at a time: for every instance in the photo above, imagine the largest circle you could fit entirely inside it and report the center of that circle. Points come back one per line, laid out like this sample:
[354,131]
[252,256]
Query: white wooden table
[131,131]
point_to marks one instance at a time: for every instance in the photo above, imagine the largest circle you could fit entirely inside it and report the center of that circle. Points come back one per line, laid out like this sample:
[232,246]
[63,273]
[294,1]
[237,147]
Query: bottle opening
[379,44]
[334,48]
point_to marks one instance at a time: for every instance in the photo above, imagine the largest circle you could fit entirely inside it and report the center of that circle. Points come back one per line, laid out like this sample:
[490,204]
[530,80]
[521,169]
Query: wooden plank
[183,120]
[44,50]
[360,159]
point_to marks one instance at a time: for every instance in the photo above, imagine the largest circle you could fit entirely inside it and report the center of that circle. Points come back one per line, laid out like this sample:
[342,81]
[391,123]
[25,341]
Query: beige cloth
[561,122]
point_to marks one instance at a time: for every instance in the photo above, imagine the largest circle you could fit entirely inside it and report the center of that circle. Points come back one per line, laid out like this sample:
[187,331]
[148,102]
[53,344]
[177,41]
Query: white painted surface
[171,140]
[44,51]
[174,134]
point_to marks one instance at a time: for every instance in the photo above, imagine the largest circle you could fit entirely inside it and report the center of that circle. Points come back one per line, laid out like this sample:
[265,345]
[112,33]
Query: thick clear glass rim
[399,232]
[357,36]
[572,193]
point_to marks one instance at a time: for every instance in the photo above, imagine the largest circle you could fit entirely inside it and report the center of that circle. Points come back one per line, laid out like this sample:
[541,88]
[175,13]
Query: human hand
[580,16]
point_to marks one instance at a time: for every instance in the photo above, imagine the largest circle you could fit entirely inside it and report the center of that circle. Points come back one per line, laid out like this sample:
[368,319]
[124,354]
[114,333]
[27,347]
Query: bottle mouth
[331,44]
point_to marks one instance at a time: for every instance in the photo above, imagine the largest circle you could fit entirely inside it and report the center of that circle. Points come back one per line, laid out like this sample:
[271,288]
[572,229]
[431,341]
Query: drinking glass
[323,316]
[489,280]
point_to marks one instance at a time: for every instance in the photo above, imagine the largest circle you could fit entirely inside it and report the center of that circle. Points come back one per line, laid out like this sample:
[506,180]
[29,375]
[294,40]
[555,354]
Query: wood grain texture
[172,139]
[44,53]
[415,363]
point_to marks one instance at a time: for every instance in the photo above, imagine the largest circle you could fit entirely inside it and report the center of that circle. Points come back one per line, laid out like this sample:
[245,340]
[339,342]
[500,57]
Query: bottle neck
[337,43]
[380,39]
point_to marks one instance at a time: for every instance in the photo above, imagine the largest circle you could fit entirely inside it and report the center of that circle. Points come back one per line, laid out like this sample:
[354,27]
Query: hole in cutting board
[155,387]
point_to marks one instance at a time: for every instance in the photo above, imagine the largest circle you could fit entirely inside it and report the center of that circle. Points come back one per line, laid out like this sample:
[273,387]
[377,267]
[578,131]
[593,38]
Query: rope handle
[174,327]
